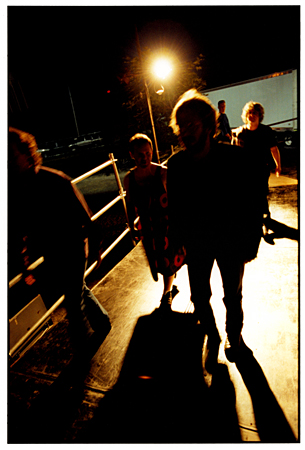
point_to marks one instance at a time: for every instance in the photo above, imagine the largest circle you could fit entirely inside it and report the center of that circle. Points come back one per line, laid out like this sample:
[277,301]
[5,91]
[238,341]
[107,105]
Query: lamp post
[148,100]
[161,69]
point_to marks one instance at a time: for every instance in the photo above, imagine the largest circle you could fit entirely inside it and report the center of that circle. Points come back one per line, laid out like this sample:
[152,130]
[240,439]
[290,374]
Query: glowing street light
[162,68]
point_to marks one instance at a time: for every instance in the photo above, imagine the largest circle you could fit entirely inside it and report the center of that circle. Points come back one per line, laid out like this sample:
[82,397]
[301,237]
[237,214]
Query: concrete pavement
[258,400]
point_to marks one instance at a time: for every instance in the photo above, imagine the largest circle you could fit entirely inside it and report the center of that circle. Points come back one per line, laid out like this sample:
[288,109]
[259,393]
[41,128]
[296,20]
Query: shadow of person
[280,230]
[161,396]
[271,422]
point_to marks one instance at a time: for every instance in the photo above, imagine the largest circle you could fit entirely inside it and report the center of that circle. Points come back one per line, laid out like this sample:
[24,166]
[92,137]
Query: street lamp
[161,69]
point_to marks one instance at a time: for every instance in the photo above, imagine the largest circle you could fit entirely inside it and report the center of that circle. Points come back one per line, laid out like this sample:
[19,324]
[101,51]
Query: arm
[249,224]
[235,140]
[164,177]
[221,125]
[228,128]
[174,186]
[130,207]
[277,159]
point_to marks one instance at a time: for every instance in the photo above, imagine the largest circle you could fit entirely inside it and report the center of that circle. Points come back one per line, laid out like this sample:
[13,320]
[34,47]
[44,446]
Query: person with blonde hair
[259,141]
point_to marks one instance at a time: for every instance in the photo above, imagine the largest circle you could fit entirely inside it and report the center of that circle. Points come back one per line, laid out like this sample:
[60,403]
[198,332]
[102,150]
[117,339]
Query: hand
[98,255]
[278,171]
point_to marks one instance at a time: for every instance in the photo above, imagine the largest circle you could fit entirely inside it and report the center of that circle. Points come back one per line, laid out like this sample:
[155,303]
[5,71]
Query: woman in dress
[146,197]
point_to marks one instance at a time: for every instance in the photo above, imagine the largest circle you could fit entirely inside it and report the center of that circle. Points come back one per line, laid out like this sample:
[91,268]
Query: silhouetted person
[224,129]
[259,141]
[146,197]
[48,217]
[215,214]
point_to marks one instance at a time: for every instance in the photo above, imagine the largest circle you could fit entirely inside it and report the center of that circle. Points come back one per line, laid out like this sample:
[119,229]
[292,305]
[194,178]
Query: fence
[121,197]
[23,323]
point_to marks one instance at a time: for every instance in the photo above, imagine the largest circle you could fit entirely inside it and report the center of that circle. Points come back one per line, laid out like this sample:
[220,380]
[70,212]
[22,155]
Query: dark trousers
[200,263]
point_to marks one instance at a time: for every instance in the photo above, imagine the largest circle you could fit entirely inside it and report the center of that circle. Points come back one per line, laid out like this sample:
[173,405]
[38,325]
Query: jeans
[86,318]
[201,257]
[94,311]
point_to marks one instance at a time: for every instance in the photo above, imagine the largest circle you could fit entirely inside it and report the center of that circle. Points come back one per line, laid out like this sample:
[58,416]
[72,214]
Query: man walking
[215,214]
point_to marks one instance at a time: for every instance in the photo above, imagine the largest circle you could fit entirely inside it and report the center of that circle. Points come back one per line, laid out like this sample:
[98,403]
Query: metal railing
[37,325]
[121,197]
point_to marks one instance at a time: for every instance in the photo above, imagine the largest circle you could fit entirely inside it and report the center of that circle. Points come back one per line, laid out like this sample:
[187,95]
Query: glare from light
[162,68]
[160,91]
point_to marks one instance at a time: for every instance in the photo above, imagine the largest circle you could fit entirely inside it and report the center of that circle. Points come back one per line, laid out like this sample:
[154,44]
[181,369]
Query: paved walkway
[145,382]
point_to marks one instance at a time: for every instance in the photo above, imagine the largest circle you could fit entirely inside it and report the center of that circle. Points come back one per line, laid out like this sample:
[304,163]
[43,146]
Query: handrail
[105,208]
[32,266]
[105,253]
[36,263]
[36,326]
[121,196]
[15,280]
[91,172]
[282,121]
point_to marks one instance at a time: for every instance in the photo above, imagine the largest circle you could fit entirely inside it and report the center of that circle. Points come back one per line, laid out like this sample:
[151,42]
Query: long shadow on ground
[271,422]
[161,395]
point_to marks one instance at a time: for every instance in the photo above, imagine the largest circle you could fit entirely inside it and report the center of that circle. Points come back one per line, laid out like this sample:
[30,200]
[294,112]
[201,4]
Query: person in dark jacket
[224,129]
[215,214]
[48,217]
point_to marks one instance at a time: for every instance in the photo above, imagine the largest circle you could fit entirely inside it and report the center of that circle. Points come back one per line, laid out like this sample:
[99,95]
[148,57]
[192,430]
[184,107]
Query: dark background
[54,49]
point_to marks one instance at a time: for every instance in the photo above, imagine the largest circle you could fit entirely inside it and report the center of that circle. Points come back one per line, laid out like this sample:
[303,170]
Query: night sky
[54,49]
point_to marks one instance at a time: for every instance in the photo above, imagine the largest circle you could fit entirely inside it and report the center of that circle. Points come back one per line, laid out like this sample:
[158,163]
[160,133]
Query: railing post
[121,191]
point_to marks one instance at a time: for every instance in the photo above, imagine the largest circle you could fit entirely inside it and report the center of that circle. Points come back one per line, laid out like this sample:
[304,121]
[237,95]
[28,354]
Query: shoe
[269,238]
[236,348]
[166,301]
[174,291]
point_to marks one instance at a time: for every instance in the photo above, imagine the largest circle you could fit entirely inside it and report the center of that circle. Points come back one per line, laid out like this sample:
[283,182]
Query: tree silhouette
[163,94]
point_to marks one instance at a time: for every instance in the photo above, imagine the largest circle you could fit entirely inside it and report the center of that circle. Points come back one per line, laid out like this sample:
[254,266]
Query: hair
[26,144]
[192,99]
[138,140]
[221,102]
[250,106]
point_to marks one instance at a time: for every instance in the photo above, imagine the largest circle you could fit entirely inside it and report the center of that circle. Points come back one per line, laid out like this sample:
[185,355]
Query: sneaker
[236,348]
[269,238]
[175,291]
[166,301]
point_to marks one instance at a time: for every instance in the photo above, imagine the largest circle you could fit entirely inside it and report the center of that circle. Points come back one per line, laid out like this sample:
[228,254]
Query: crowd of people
[209,204]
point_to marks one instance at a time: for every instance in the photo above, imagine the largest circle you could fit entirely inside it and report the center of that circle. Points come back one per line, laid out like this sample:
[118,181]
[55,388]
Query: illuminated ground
[145,382]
